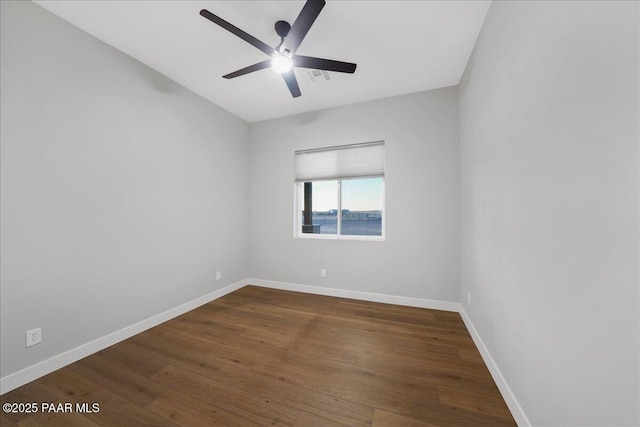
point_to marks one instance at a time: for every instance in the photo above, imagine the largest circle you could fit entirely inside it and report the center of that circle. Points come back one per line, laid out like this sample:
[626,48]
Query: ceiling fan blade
[250,69]
[323,64]
[292,83]
[238,32]
[303,22]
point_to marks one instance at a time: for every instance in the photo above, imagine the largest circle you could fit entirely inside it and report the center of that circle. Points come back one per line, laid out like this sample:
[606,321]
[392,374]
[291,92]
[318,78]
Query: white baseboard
[363,296]
[20,378]
[505,390]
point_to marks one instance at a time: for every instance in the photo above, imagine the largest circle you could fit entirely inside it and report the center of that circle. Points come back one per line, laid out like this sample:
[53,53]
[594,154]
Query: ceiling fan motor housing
[282,28]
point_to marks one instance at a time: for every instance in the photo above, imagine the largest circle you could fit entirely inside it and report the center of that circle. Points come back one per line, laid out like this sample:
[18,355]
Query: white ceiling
[400,47]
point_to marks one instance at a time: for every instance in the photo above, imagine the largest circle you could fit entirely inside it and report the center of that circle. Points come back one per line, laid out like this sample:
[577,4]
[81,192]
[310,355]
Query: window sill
[311,236]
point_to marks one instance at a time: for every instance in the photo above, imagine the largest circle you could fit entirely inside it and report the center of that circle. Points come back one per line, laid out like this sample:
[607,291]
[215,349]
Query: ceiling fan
[283,56]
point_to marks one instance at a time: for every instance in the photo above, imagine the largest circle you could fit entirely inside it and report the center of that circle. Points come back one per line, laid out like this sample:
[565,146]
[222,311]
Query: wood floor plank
[190,351]
[57,420]
[371,396]
[473,380]
[251,406]
[204,328]
[451,416]
[431,334]
[492,405]
[387,419]
[310,420]
[188,411]
[28,393]
[364,376]
[125,383]
[5,421]
[350,322]
[260,356]
[135,358]
[305,399]
[275,338]
[393,347]
[471,354]
[324,350]
[71,387]
[407,365]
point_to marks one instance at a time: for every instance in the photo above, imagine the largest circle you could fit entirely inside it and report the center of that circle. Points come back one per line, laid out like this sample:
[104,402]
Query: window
[339,192]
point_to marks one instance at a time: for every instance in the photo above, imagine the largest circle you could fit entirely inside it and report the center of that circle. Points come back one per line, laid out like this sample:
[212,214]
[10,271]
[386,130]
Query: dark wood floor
[266,357]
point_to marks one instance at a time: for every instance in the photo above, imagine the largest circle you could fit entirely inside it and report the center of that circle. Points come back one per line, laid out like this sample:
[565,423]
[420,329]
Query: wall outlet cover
[33,337]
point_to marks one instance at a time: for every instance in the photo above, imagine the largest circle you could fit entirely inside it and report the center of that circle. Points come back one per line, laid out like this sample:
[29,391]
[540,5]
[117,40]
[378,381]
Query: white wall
[419,257]
[122,192]
[549,205]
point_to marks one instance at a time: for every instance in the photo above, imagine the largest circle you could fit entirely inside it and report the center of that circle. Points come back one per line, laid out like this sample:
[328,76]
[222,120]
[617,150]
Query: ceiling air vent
[318,76]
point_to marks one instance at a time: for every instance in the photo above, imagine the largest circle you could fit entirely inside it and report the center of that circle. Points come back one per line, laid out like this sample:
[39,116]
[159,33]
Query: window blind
[346,161]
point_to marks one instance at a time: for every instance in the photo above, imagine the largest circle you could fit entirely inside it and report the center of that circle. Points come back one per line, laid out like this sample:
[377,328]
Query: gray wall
[419,257]
[549,205]
[122,192]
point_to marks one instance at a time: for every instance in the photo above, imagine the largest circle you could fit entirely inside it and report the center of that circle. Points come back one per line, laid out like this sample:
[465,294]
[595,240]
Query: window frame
[297,223]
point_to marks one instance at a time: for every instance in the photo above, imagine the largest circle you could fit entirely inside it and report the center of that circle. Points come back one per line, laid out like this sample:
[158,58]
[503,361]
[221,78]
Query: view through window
[350,207]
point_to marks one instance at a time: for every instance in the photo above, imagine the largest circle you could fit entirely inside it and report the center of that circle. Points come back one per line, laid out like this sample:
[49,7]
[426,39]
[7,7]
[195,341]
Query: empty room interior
[310,213]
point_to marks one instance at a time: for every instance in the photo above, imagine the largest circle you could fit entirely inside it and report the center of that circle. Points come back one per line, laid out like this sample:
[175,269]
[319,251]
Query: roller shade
[346,161]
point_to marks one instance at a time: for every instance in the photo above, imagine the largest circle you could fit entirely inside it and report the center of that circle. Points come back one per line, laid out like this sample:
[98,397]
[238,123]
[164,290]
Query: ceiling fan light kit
[281,64]
[283,56]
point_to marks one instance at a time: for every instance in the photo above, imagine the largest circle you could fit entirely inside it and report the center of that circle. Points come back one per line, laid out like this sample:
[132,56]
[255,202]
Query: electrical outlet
[323,272]
[34,336]
[469,298]
[218,275]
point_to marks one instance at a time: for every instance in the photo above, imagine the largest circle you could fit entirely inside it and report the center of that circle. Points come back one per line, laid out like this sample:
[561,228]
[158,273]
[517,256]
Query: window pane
[362,207]
[324,205]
